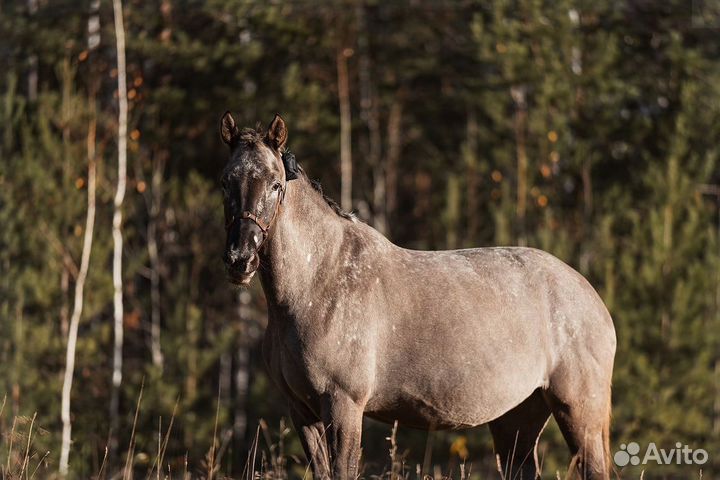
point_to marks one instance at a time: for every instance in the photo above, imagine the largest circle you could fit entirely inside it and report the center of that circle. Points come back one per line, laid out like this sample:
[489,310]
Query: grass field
[266,460]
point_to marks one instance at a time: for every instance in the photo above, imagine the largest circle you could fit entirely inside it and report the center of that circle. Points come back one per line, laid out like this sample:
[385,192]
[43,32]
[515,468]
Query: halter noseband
[258,220]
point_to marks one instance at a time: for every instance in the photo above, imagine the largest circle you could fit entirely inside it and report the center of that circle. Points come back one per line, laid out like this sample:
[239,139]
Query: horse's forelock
[251,136]
[250,152]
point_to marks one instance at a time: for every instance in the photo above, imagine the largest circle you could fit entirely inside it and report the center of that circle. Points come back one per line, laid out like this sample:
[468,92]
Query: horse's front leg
[343,421]
[312,436]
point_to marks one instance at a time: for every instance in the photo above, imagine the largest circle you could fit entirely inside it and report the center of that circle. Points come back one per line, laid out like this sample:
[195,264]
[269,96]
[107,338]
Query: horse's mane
[331,203]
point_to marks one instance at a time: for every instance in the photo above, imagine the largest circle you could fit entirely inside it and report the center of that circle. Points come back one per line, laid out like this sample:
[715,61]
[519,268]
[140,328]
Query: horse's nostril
[246,265]
[231,257]
[235,262]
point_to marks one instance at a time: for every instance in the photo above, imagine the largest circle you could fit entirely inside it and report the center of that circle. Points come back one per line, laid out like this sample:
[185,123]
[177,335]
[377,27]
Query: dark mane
[331,203]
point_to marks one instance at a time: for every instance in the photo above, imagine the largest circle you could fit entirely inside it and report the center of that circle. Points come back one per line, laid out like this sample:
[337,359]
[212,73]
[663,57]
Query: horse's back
[536,291]
[541,273]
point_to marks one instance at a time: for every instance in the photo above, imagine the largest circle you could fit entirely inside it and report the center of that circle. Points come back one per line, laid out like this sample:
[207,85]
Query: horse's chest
[310,365]
[293,366]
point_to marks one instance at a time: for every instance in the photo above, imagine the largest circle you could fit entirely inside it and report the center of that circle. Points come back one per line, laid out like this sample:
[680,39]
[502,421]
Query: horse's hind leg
[515,436]
[581,407]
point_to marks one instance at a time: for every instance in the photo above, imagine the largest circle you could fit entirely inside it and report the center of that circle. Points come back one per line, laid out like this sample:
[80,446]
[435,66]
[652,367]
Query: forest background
[588,129]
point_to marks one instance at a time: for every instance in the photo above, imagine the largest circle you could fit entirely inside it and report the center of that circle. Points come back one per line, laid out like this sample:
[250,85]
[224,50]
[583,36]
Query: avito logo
[629,454]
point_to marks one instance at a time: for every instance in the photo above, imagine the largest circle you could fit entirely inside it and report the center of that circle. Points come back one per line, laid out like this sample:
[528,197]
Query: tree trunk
[155,199]
[576,65]
[587,215]
[78,303]
[32,79]
[345,130]
[370,114]
[94,25]
[473,181]
[668,226]
[394,150]
[242,369]
[64,307]
[518,94]
[716,369]
[117,225]
[153,255]
[452,212]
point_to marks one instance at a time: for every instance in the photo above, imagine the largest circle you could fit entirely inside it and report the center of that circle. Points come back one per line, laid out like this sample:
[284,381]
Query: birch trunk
[64,307]
[117,222]
[78,303]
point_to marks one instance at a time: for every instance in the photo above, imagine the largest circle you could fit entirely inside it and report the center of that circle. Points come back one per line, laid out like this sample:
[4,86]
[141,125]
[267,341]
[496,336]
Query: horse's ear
[228,129]
[277,133]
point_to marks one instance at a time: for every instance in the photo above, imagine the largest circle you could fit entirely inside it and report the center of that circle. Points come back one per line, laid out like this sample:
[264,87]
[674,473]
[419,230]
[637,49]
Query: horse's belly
[408,416]
[415,414]
[453,400]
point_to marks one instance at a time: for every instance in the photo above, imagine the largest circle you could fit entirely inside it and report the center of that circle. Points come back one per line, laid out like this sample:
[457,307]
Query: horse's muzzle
[241,279]
[241,270]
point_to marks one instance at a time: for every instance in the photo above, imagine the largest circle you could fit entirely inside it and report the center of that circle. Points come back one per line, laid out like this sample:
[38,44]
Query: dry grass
[266,459]
[22,461]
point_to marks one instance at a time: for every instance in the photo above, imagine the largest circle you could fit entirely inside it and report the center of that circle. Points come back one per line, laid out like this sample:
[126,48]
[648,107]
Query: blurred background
[588,129]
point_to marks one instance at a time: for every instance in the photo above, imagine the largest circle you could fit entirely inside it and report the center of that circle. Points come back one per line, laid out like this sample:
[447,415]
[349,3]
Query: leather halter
[255,218]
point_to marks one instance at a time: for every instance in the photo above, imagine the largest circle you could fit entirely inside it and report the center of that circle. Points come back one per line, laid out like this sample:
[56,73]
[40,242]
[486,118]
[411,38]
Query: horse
[357,326]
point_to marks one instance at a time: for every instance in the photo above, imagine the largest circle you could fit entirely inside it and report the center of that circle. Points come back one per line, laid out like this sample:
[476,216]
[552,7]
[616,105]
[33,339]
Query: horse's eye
[276,186]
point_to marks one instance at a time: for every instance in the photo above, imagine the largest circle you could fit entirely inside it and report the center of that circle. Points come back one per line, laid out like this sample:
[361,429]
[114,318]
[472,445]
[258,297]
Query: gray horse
[444,340]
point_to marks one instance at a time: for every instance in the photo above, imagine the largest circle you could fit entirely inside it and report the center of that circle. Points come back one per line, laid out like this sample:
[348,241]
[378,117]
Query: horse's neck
[305,235]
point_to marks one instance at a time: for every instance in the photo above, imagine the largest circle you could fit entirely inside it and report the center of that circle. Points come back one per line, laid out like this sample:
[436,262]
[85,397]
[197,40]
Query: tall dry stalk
[26,458]
[127,472]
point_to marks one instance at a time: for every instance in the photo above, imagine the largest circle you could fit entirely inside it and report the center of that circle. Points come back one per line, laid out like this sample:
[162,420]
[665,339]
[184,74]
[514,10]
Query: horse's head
[253,184]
